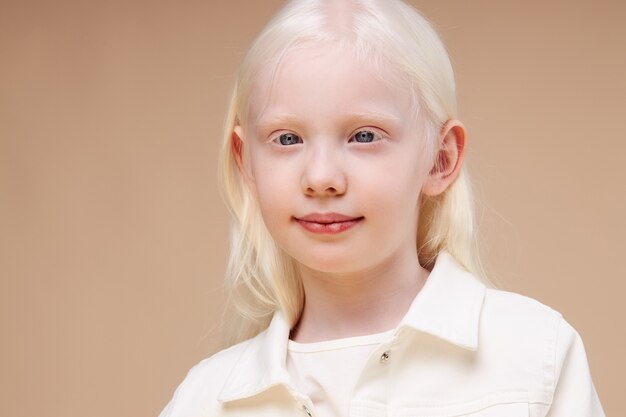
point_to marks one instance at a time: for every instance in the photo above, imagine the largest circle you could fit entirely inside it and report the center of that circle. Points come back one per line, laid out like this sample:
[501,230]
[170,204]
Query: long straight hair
[260,277]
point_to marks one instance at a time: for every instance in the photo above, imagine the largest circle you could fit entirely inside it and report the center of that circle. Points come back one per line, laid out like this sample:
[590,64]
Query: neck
[340,305]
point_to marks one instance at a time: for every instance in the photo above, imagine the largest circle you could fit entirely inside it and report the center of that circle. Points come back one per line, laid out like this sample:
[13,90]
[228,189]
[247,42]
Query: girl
[353,267]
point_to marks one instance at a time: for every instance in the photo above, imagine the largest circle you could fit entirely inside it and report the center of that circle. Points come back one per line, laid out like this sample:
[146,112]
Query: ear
[237,143]
[449,158]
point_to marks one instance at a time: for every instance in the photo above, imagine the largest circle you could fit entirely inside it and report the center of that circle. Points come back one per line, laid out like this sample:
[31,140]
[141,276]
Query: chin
[329,264]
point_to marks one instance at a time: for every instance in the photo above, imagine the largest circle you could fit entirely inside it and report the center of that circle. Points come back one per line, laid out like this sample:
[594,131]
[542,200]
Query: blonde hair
[260,277]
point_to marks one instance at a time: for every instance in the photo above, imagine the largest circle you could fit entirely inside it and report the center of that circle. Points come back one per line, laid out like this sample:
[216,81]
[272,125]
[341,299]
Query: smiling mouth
[328,223]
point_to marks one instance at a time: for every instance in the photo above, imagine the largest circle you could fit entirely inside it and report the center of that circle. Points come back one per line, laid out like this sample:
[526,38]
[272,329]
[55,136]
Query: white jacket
[461,350]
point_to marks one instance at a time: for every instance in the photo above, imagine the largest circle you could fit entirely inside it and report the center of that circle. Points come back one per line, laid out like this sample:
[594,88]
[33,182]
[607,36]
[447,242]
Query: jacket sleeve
[574,394]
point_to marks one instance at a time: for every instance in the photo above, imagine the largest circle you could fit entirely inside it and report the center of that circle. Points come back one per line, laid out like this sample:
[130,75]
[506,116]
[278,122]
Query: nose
[323,173]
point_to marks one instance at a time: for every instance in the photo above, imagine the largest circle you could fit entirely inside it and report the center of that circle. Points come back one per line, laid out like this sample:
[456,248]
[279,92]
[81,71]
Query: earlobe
[449,158]
[238,143]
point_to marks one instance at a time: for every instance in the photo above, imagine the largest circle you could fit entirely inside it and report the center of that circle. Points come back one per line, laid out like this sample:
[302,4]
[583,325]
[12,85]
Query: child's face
[329,136]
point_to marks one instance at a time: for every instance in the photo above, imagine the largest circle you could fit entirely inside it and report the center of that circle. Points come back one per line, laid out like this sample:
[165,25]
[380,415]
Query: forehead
[327,78]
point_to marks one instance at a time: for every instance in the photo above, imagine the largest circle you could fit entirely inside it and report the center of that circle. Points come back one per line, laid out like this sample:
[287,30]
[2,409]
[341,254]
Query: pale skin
[304,151]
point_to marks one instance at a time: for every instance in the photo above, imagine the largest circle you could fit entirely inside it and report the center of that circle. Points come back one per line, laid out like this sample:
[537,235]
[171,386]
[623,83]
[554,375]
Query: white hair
[389,34]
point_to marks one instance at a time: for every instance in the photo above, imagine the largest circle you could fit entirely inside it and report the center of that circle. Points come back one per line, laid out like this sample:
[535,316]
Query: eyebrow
[283,118]
[376,116]
[293,119]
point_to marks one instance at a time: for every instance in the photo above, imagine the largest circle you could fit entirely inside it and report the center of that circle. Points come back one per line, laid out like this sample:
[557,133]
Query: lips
[327,223]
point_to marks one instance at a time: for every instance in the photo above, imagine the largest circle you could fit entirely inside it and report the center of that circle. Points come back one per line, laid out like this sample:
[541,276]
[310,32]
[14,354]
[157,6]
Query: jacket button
[384,357]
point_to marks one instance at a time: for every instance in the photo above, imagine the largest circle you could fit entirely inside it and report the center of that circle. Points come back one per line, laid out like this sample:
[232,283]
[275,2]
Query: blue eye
[289,139]
[364,136]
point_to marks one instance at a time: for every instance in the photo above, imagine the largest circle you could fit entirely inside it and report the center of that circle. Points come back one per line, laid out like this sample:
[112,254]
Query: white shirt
[461,350]
[327,371]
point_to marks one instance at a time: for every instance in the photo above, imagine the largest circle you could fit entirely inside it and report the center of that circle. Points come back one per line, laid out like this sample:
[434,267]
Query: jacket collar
[448,306]
[262,364]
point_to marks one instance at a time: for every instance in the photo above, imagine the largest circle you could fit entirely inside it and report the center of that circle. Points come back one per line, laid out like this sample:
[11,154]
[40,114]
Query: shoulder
[520,320]
[545,353]
[218,366]
[198,392]
[527,338]
[506,307]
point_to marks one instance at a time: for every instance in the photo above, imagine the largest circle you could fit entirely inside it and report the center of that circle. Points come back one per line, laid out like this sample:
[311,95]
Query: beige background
[113,237]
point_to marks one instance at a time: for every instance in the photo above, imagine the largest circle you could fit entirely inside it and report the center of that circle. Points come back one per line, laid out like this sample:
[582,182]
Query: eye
[289,139]
[364,136]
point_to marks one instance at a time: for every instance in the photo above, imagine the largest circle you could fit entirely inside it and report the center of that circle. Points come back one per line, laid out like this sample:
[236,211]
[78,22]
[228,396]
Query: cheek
[274,205]
[275,186]
[394,183]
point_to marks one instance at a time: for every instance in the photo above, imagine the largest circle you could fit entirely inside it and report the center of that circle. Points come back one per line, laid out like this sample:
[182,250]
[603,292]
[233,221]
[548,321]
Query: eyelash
[376,137]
